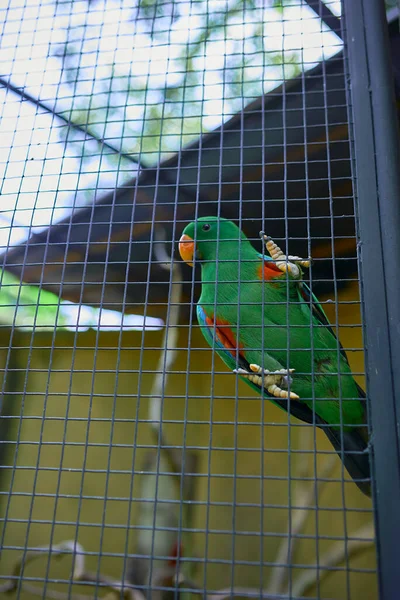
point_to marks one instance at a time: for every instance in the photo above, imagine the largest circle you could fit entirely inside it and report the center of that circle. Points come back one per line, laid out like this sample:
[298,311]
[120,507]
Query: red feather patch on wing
[225,335]
[271,271]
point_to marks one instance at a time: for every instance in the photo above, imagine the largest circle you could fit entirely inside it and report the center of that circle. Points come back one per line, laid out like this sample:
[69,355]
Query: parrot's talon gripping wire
[272,381]
[287,263]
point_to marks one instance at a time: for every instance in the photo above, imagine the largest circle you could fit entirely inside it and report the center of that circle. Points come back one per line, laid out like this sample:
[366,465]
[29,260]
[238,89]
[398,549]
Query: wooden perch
[79,574]
[305,493]
[163,514]
[168,352]
[361,540]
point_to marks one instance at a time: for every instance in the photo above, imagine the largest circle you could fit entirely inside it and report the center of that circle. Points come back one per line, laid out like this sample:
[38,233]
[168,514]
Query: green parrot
[267,326]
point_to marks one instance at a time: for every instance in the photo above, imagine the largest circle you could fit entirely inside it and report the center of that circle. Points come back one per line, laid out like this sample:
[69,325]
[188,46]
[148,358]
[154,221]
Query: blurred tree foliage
[158,73]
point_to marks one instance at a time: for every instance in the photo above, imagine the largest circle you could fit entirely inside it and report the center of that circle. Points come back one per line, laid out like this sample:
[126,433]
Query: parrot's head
[209,237]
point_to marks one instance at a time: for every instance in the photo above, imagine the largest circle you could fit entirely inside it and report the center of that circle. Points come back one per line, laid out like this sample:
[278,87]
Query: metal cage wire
[128,450]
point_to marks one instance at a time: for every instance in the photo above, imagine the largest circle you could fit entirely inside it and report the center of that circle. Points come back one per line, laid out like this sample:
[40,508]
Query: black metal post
[377,166]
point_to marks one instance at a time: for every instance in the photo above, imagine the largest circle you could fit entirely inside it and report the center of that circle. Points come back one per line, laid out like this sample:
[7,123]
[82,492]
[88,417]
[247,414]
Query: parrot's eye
[206,227]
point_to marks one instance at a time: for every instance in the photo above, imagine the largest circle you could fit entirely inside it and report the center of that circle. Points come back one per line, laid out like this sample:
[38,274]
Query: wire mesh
[128,450]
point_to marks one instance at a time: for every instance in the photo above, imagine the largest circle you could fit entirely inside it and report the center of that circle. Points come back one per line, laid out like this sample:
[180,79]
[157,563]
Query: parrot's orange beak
[187,249]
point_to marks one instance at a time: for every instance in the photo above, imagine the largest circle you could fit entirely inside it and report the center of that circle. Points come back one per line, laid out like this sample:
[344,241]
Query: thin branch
[240,591]
[53,594]
[305,493]
[79,574]
[169,351]
[145,569]
[224,593]
[336,554]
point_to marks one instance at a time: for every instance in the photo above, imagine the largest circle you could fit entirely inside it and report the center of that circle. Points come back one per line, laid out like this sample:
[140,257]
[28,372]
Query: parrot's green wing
[350,446]
[306,295]
[321,317]
[295,407]
[312,303]
[318,312]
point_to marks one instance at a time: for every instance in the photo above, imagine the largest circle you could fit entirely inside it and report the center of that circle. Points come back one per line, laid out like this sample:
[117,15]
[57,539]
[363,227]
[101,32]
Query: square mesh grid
[129,451]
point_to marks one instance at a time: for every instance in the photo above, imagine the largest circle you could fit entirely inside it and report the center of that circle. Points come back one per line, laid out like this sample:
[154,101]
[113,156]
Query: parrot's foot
[286,263]
[271,380]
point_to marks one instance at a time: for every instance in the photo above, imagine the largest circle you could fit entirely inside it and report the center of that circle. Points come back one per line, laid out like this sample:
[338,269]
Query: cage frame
[376,160]
[375,163]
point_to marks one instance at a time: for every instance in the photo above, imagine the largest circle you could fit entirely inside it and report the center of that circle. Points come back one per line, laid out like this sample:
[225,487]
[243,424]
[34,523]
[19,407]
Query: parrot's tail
[352,448]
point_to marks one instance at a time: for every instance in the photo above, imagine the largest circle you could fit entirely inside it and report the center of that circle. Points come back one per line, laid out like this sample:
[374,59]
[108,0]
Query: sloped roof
[292,143]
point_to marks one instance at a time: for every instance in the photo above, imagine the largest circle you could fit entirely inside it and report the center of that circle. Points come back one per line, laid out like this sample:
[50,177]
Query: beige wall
[78,427]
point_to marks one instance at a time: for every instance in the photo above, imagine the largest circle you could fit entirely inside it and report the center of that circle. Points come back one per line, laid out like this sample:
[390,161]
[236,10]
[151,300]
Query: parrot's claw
[271,380]
[286,263]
